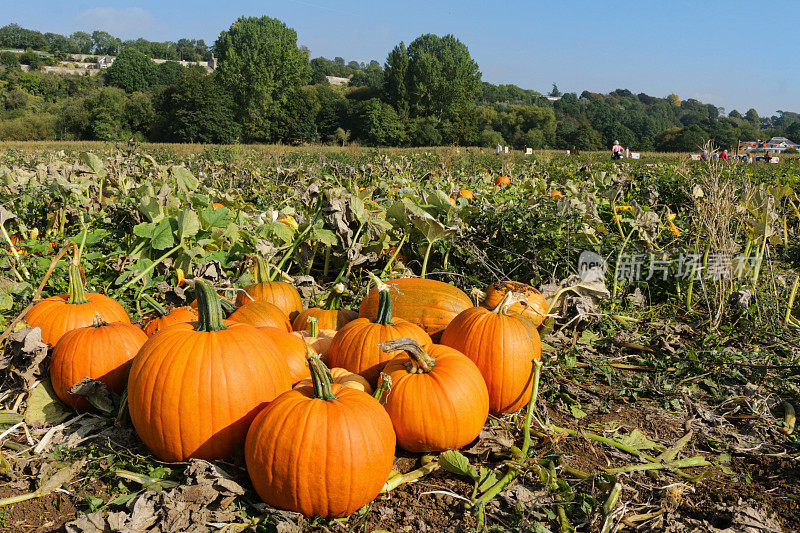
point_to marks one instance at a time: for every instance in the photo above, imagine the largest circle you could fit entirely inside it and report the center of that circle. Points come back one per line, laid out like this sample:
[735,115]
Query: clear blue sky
[734,54]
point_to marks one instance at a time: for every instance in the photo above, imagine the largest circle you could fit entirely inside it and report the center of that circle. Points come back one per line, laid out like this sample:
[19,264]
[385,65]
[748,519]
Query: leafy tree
[262,67]
[169,73]
[58,43]
[378,124]
[132,71]
[9,61]
[83,42]
[15,36]
[555,92]
[106,108]
[752,117]
[372,76]
[198,109]
[105,44]
[395,72]
[674,99]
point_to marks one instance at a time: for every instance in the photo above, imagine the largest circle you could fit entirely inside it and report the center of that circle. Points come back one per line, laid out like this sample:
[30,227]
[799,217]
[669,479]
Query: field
[671,353]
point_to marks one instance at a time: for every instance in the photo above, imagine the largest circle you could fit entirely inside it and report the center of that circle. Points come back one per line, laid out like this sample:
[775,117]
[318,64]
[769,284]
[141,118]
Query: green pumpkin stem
[209,310]
[261,269]
[420,363]
[334,299]
[98,321]
[154,304]
[384,301]
[313,326]
[77,295]
[320,377]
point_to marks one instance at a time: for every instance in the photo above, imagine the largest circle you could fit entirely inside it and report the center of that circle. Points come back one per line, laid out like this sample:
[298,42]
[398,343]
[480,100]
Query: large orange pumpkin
[536,308]
[438,400]
[176,316]
[75,309]
[321,450]
[355,346]
[279,293]
[262,314]
[194,389]
[292,348]
[101,351]
[427,303]
[504,347]
[329,316]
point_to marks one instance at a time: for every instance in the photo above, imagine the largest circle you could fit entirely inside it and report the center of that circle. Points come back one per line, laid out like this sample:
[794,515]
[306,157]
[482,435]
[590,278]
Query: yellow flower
[556,195]
[675,231]
[671,216]
[289,221]
[622,208]
[616,218]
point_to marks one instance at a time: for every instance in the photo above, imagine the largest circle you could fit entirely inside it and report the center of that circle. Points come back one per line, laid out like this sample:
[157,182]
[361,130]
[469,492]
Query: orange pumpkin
[101,351]
[536,308]
[502,181]
[504,347]
[75,309]
[355,346]
[438,400]
[176,316]
[321,450]
[467,194]
[194,389]
[345,378]
[262,314]
[427,303]
[279,293]
[293,349]
[329,316]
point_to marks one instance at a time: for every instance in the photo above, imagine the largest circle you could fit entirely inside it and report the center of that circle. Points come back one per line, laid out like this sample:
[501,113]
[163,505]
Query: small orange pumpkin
[467,194]
[438,400]
[176,316]
[345,378]
[262,314]
[536,308]
[101,351]
[355,346]
[318,339]
[75,309]
[502,181]
[279,293]
[321,450]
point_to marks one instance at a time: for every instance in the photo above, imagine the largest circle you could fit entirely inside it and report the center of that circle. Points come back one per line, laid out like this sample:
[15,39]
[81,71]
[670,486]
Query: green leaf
[149,207]
[144,230]
[162,237]
[93,237]
[188,223]
[576,411]
[94,162]
[441,201]
[359,211]
[324,236]
[486,479]
[44,408]
[215,217]
[457,463]
[636,439]
[184,177]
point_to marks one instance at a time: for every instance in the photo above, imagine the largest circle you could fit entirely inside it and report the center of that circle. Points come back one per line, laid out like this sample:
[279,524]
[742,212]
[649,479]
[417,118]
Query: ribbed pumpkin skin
[504,347]
[321,343]
[279,293]
[427,303]
[194,393]
[318,457]
[103,353]
[176,316]
[443,409]
[326,318]
[355,346]
[262,315]
[55,316]
[343,377]
[293,349]
[538,303]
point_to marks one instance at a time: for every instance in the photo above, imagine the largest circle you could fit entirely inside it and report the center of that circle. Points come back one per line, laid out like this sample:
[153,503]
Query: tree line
[267,89]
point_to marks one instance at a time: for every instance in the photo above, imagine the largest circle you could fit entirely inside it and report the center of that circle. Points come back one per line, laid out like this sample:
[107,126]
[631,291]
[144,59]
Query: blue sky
[733,54]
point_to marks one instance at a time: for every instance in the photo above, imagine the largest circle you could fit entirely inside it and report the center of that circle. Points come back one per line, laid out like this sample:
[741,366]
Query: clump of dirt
[44,515]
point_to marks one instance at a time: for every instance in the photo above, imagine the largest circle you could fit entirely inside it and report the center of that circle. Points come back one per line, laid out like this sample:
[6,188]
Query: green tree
[9,61]
[132,71]
[263,69]
[555,92]
[83,42]
[395,72]
[378,124]
[105,43]
[168,73]
[752,117]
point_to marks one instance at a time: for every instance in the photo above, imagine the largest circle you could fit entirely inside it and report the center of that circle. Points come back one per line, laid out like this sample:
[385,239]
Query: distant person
[724,155]
[498,149]
[617,151]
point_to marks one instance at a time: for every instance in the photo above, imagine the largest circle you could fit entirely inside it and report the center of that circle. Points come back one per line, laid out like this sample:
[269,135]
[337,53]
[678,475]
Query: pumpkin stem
[384,301]
[98,321]
[477,295]
[313,326]
[384,386]
[509,299]
[421,362]
[154,304]
[77,295]
[209,310]
[334,299]
[261,269]
[320,377]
